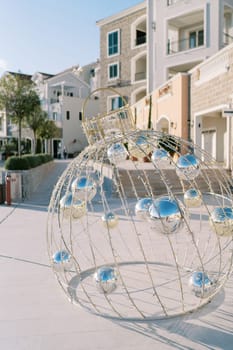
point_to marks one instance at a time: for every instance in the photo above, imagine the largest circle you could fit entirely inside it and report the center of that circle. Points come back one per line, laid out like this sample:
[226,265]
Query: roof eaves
[124,13]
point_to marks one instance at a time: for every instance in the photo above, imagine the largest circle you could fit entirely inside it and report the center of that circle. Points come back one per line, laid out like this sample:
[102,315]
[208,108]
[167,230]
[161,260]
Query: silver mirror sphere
[110,220]
[159,154]
[142,208]
[140,147]
[70,207]
[221,220]
[187,167]
[167,214]
[117,153]
[84,188]
[62,261]
[192,198]
[200,284]
[106,279]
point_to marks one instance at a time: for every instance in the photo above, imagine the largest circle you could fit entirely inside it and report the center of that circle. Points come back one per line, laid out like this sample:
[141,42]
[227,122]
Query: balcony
[172,2]
[185,32]
[140,76]
[140,39]
[195,40]
[54,100]
[139,68]
[139,30]
[227,39]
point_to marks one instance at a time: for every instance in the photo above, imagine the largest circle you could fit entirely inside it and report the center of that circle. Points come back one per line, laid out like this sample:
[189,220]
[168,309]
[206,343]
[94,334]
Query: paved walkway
[35,315]
[42,196]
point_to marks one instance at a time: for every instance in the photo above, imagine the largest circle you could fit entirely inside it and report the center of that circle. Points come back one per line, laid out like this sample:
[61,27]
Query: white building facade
[183,33]
[62,97]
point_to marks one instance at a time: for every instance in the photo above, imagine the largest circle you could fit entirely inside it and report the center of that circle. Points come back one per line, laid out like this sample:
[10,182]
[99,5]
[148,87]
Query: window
[113,71]
[196,38]
[116,102]
[138,31]
[140,37]
[200,37]
[113,43]
[80,116]
[54,115]
[58,94]
[67,115]
[192,40]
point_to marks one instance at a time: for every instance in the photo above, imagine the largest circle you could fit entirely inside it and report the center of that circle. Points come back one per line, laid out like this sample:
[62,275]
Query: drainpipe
[189,108]
[149,115]
[8,189]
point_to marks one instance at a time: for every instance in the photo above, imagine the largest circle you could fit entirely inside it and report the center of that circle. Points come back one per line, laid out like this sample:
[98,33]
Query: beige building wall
[74,139]
[123,22]
[169,107]
[140,112]
[211,93]
[170,103]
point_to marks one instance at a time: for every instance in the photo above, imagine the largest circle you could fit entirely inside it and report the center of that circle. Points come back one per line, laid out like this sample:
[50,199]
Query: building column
[229,145]
[151,51]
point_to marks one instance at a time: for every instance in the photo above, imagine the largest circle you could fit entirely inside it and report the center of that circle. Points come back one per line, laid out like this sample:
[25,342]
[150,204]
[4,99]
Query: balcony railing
[54,100]
[140,40]
[181,45]
[172,2]
[227,39]
[140,76]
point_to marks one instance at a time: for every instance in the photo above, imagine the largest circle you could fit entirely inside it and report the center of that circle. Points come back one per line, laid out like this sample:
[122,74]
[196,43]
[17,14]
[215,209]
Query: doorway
[208,142]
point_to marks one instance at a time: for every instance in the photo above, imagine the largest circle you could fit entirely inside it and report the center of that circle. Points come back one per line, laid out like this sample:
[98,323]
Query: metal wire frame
[153,268]
[105,126]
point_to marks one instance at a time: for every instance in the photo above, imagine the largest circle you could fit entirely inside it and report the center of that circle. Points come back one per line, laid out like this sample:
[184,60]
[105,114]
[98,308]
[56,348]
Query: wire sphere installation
[134,234]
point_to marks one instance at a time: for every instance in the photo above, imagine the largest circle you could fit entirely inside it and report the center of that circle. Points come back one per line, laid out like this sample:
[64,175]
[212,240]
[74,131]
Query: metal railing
[140,40]
[140,76]
[227,39]
[172,2]
[54,100]
[181,45]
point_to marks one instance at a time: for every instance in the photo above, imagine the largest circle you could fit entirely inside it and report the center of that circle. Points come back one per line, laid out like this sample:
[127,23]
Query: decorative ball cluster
[137,239]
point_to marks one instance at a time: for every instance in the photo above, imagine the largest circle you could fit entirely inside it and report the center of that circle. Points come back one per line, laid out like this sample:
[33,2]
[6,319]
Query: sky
[52,35]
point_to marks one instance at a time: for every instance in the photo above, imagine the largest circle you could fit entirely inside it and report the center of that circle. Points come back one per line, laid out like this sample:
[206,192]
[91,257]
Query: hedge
[27,161]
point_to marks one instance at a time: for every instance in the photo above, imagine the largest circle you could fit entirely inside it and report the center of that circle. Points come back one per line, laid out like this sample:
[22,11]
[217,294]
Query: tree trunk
[34,142]
[19,138]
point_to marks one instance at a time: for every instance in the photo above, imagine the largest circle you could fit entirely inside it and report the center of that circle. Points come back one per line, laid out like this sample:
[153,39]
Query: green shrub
[42,158]
[17,163]
[47,158]
[33,160]
[27,161]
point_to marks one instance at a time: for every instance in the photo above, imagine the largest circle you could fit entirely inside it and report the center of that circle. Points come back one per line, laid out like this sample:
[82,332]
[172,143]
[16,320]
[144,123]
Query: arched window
[138,32]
